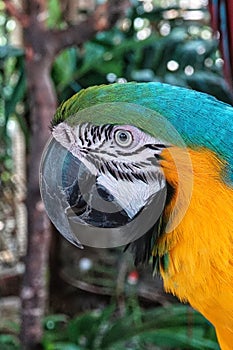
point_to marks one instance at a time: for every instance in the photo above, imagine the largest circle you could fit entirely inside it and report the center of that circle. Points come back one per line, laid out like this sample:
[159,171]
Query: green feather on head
[199,119]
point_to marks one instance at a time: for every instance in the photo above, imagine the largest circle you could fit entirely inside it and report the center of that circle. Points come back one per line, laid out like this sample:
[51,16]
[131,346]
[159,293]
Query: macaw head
[117,169]
[102,177]
[122,160]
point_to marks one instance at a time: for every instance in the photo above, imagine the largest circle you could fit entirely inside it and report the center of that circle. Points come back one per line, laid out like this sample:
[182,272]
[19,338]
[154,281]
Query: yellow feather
[201,247]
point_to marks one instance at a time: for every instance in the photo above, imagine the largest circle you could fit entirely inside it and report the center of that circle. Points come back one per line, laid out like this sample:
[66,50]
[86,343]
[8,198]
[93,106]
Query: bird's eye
[123,138]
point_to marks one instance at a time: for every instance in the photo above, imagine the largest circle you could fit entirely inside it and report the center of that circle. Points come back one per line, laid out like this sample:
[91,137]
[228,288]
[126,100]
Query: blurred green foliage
[169,328]
[172,44]
[137,329]
[12,88]
[12,91]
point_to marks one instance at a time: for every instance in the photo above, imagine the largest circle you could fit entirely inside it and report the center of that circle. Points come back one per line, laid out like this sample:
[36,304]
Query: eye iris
[123,138]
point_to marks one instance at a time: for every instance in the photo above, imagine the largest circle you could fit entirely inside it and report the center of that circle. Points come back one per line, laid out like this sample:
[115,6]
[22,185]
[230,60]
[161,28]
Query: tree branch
[34,288]
[16,13]
[41,47]
[104,17]
[35,8]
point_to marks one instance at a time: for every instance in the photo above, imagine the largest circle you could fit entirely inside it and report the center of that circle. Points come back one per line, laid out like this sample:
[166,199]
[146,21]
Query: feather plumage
[195,255]
[200,119]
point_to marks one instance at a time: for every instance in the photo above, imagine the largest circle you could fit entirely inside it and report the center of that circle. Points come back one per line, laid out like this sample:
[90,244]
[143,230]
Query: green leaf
[65,346]
[158,320]
[179,337]
[87,329]
[67,59]
[55,13]
[9,342]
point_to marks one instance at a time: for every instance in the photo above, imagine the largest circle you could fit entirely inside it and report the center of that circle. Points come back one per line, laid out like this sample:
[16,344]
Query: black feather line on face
[142,248]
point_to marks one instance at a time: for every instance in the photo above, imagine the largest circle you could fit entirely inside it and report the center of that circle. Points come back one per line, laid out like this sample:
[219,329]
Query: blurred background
[92,298]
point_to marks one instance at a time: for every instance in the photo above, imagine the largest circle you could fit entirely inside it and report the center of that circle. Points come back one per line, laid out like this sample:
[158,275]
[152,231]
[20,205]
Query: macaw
[135,140]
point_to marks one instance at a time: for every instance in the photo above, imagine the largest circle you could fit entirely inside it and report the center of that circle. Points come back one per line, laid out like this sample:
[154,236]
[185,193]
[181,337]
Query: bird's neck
[198,248]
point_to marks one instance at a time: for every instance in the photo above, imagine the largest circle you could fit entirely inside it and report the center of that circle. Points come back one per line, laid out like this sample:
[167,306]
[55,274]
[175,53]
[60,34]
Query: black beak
[83,192]
[84,211]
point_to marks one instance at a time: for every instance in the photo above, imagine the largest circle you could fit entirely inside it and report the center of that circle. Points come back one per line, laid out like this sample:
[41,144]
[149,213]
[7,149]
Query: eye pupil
[123,137]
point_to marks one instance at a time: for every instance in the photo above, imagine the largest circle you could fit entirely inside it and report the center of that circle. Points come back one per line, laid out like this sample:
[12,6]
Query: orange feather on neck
[200,248]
